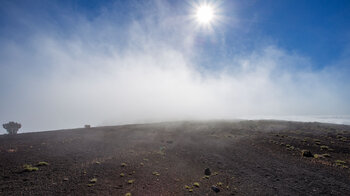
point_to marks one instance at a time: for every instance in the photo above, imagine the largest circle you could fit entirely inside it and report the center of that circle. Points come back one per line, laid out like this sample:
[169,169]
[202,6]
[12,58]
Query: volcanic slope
[180,158]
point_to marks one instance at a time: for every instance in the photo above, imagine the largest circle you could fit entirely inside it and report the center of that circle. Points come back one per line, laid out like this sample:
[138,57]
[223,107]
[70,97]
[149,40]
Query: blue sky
[68,63]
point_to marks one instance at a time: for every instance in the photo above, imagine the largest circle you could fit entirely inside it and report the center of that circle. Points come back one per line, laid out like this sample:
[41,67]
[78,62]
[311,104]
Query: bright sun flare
[204,14]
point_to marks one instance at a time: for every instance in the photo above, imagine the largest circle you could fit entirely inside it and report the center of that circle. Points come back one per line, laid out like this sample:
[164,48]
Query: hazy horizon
[64,64]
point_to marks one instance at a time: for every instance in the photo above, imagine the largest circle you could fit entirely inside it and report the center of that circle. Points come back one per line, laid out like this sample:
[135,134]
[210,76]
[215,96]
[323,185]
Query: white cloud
[148,73]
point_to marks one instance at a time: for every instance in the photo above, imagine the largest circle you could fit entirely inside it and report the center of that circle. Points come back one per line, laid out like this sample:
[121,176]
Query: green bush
[12,127]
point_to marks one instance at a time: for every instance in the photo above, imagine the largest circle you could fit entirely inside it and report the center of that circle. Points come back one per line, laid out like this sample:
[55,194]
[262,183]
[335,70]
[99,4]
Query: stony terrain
[180,158]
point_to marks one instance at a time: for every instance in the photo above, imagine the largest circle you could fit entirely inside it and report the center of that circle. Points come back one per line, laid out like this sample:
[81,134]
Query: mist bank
[329,119]
[333,119]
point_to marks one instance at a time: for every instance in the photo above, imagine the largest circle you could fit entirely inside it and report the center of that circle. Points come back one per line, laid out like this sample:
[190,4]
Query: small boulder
[207,172]
[215,189]
[306,153]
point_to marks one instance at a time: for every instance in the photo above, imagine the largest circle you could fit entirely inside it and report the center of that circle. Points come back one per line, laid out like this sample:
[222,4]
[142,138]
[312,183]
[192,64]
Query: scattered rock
[65,179]
[207,172]
[11,150]
[215,189]
[306,153]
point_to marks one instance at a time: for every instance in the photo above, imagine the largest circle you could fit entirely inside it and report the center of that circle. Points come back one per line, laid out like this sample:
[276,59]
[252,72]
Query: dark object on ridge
[215,189]
[207,172]
[306,153]
[12,127]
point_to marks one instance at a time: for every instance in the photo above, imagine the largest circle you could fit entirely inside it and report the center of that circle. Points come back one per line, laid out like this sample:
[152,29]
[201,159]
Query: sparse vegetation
[196,184]
[326,155]
[43,163]
[340,162]
[29,168]
[290,147]
[318,156]
[131,181]
[342,138]
[162,150]
[93,180]
[323,147]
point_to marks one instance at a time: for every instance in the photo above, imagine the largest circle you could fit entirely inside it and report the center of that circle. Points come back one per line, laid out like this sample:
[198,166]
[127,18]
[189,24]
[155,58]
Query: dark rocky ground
[244,158]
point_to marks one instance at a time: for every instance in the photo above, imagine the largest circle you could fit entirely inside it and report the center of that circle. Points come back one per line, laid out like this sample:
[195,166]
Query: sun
[205,14]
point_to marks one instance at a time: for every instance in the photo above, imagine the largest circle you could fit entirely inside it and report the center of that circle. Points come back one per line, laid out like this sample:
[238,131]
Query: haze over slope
[141,62]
